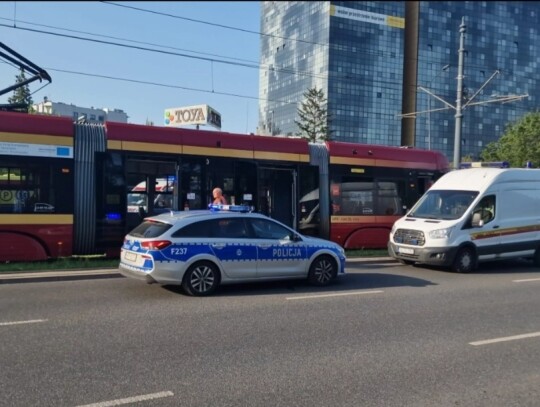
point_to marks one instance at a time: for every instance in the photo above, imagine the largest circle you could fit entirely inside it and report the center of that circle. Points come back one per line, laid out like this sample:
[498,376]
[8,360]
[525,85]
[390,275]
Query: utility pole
[459,114]
[459,107]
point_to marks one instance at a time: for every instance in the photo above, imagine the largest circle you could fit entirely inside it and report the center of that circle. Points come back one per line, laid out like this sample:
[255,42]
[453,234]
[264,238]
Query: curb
[65,275]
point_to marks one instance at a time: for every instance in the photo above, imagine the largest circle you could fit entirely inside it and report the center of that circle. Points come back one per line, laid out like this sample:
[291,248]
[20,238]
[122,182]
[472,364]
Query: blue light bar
[113,216]
[229,208]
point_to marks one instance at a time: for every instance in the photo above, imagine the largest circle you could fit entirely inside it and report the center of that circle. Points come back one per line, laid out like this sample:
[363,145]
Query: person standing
[218,197]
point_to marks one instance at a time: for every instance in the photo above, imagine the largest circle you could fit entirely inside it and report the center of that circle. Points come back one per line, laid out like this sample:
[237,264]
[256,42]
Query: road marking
[309,297]
[507,338]
[128,400]
[526,280]
[31,321]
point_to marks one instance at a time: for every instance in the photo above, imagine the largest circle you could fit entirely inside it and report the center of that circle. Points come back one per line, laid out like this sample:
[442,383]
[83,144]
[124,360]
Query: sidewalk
[59,275]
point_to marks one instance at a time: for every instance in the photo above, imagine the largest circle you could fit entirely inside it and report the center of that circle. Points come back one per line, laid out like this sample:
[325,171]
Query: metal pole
[429,124]
[459,114]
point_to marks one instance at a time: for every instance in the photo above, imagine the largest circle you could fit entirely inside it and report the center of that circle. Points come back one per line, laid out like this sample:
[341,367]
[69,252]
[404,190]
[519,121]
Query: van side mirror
[477,221]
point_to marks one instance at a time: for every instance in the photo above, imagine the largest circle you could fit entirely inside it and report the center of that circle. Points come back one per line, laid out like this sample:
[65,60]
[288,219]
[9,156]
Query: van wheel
[465,261]
[536,258]
[322,271]
[201,279]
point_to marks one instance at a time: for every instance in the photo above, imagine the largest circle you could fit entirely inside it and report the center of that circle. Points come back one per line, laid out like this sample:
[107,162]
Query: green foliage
[22,94]
[467,159]
[313,116]
[519,144]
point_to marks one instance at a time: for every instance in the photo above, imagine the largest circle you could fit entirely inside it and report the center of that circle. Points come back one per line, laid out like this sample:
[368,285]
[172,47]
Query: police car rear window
[217,228]
[197,229]
[149,229]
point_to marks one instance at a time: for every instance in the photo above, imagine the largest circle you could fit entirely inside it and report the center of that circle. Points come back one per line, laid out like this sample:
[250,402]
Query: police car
[201,249]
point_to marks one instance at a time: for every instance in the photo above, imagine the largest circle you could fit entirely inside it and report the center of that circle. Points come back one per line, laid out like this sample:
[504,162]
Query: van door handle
[496,227]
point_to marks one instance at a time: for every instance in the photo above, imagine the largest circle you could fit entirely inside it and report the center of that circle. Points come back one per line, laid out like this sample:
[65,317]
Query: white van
[469,216]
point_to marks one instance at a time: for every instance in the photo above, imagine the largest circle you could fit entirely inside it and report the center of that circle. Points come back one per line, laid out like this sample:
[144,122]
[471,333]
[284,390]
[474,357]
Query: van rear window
[150,229]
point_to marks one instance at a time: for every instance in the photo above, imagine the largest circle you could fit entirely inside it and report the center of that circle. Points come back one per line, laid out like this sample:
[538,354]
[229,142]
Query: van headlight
[441,233]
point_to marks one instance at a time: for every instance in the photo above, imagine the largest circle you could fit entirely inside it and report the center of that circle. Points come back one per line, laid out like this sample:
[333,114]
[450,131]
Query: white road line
[507,338]
[309,297]
[128,400]
[31,321]
[526,280]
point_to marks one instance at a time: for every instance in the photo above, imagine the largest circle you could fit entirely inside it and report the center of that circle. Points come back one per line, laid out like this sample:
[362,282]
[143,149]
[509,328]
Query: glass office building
[370,58]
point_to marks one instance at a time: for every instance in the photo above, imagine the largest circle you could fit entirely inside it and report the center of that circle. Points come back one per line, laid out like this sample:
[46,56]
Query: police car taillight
[155,244]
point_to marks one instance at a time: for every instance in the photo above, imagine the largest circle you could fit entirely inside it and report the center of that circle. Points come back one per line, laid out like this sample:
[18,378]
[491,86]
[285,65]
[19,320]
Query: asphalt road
[384,335]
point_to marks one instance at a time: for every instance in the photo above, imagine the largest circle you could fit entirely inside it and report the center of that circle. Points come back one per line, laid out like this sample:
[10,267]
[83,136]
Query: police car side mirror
[296,238]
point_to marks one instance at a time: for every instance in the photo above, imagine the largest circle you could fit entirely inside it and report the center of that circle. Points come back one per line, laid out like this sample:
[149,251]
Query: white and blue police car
[201,249]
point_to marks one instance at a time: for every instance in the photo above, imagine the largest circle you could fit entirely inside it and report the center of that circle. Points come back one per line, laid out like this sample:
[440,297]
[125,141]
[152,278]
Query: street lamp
[444,68]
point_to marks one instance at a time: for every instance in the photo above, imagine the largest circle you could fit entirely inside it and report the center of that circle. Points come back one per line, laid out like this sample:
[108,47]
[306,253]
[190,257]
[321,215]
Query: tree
[520,143]
[314,117]
[22,93]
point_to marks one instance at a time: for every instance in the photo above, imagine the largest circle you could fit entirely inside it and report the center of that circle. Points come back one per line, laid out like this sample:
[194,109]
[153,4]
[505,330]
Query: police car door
[234,249]
[278,254]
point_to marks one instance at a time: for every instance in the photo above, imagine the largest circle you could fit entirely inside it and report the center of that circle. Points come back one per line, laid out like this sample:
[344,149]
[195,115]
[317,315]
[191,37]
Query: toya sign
[201,114]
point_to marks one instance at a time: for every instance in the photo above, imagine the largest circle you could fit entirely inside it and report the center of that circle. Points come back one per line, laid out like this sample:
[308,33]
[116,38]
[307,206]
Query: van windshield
[443,204]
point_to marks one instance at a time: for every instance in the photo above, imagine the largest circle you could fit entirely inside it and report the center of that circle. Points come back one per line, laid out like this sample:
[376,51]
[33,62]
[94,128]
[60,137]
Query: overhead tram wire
[376,53]
[129,40]
[115,78]
[143,10]
[166,85]
[245,65]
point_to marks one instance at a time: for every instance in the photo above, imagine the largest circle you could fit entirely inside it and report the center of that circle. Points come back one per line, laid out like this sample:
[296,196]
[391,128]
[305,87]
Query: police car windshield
[443,204]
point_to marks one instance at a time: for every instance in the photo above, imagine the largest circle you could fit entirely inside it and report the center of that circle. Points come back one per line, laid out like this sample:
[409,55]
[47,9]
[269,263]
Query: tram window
[357,198]
[389,202]
[43,186]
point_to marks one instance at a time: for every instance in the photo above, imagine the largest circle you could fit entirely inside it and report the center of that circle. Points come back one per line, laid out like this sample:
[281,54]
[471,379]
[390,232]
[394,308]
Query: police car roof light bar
[229,208]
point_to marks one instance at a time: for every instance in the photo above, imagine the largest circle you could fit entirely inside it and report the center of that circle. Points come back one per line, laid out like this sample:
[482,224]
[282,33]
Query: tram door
[150,189]
[277,194]
[418,183]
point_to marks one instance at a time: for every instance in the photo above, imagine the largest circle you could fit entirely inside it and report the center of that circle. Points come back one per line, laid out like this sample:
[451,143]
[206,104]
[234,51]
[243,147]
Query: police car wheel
[465,261]
[201,279]
[322,271]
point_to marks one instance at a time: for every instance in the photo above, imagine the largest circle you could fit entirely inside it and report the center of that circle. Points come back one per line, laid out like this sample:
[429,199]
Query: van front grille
[410,236]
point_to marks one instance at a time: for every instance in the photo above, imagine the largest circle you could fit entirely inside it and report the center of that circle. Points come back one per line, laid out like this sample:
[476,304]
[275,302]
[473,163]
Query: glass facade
[501,36]
[354,51]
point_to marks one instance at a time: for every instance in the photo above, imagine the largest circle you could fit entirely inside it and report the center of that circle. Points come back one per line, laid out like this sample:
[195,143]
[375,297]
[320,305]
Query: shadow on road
[347,282]
[494,267]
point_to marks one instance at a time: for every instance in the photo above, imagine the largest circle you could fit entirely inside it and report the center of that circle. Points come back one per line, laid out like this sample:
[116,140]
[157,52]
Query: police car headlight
[441,233]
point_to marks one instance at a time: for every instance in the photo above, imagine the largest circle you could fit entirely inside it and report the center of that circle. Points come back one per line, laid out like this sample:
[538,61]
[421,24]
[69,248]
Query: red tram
[68,188]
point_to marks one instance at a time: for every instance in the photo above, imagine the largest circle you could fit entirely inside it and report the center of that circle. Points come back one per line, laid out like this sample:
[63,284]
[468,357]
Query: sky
[188,70]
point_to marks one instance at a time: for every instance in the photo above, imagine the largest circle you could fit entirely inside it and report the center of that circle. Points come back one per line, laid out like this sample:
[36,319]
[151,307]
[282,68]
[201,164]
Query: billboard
[200,114]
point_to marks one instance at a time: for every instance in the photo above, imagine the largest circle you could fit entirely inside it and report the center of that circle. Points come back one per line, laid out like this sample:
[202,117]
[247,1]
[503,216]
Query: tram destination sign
[192,115]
